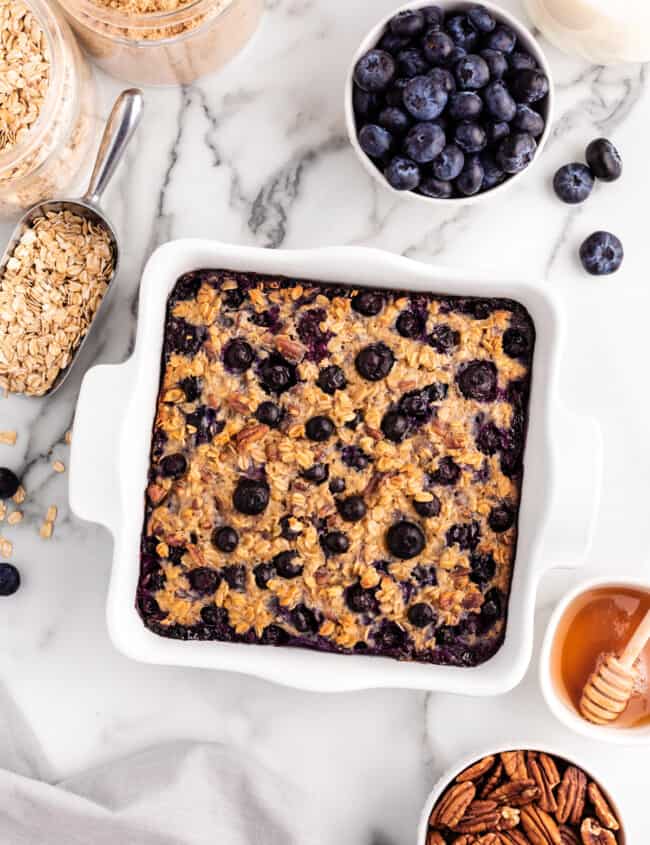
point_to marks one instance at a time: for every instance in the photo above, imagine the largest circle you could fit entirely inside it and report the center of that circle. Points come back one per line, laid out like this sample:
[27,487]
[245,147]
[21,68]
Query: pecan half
[493,780]
[156,493]
[510,818]
[489,839]
[477,770]
[250,434]
[451,807]
[540,828]
[435,838]
[545,774]
[593,834]
[604,812]
[516,793]
[514,763]
[568,836]
[514,837]
[480,817]
[571,796]
[291,350]
[464,839]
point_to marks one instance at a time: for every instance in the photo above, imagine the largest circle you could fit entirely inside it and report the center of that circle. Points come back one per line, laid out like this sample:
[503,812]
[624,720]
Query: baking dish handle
[578,470]
[94,489]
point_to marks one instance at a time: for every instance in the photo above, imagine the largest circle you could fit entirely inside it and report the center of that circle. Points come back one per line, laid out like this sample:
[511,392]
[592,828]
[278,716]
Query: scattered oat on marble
[8,438]
[68,437]
[58,466]
[50,290]
[46,530]
[51,514]
[19,496]
[15,517]
[6,547]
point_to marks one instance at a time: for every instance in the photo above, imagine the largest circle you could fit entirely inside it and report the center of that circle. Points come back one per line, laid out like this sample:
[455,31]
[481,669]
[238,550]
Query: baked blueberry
[354,457]
[502,38]
[173,466]
[374,362]
[374,140]
[226,539]
[499,102]
[391,637]
[427,509]
[263,573]
[394,426]
[409,324]
[492,173]
[411,62]
[360,600]
[408,23]
[405,539]
[395,120]
[488,439]
[9,483]
[491,610]
[470,179]
[232,298]
[443,338]
[516,152]
[286,566]
[375,71]
[269,319]
[304,619]
[186,287]
[277,374]
[368,303]
[516,343]
[601,253]
[403,174]
[437,47]
[184,338]
[604,160]
[478,380]
[312,334]
[481,18]
[416,403]
[464,105]
[462,32]
[337,485]
[204,421]
[573,182]
[319,428]
[472,72]
[238,356]
[356,420]
[269,414]
[424,142]
[330,379]
[235,577]
[501,518]
[496,62]
[465,535]
[447,473]
[351,509]
[335,542]
[483,568]
[214,616]
[286,531]
[191,387]
[420,615]
[275,635]
[9,579]
[529,86]
[251,496]
[424,98]
[443,78]
[317,474]
[436,188]
[526,119]
[203,579]
[470,137]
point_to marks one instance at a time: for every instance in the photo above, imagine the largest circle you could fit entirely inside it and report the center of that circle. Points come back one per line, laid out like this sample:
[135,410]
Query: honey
[601,621]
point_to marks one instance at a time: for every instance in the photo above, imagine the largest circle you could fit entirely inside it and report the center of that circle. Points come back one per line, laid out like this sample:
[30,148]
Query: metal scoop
[122,123]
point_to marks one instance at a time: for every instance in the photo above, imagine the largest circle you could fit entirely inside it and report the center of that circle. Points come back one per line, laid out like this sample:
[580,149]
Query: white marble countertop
[258,155]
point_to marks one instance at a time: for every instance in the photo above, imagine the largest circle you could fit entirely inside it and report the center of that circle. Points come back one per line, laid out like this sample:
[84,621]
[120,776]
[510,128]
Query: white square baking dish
[112,433]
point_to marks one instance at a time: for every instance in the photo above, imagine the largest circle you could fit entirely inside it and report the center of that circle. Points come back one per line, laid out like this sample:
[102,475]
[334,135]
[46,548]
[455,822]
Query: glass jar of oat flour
[162,42]
[46,96]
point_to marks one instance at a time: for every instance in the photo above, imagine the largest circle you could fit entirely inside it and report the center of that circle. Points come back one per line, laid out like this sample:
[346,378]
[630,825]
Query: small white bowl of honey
[595,623]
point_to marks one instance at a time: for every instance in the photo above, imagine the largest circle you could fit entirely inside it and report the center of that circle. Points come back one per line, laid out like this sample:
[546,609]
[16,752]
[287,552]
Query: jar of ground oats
[162,42]
[46,95]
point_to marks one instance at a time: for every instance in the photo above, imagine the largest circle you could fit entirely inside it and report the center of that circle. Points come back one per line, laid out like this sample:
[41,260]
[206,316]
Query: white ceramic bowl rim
[527,39]
[561,710]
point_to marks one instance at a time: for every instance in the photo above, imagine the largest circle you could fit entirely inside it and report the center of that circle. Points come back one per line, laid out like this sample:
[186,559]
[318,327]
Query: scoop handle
[636,645]
[122,123]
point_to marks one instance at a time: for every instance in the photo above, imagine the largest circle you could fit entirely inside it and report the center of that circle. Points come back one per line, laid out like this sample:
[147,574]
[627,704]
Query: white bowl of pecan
[520,797]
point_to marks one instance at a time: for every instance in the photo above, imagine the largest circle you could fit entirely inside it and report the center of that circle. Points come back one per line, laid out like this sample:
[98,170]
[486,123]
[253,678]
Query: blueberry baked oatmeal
[335,468]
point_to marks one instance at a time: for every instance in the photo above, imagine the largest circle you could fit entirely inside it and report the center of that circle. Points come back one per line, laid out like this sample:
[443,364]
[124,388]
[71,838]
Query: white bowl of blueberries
[451,101]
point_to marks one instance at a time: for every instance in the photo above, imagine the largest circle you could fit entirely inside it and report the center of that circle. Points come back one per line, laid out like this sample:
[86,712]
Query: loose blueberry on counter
[335,542]
[408,24]
[529,86]
[395,120]
[472,72]
[470,180]
[285,565]
[601,253]
[269,414]
[394,426]
[483,568]
[402,174]
[330,379]
[405,539]
[443,339]
[464,535]
[502,38]
[420,615]
[304,620]
[238,356]
[319,428]
[427,509]
[464,105]
[409,324]
[374,362]
[499,102]
[528,120]
[496,62]
[501,518]
[235,577]
[481,18]
[470,137]
[226,539]
[375,71]
[9,579]
[447,473]
[374,140]
[204,580]
[251,497]
[424,142]
[462,32]
[604,160]
[9,483]
[337,485]
[573,182]
[173,466]
[277,374]
[263,573]
[436,188]
[424,98]
[516,343]
[478,380]
[318,473]
[351,509]
[368,303]
[437,47]
[516,152]
[411,62]
[360,600]
[449,163]
[191,387]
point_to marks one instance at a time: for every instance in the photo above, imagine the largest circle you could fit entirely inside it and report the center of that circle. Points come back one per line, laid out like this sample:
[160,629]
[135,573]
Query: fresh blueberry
[464,105]
[427,509]
[375,71]
[424,142]
[409,324]
[285,565]
[319,428]
[238,356]
[447,473]
[191,387]
[495,131]
[173,466]
[601,253]
[488,440]
[433,16]
[395,94]
[501,518]
[374,140]
[516,152]
[330,379]
[528,120]
[277,374]
[436,188]
[604,160]
[403,174]
[408,24]
[394,119]
[360,600]
[478,380]
[9,579]
[203,580]
[374,362]
[470,137]
[318,473]
[437,47]
[499,102]
[466,535]
[573,182]
[462,32]
[392,43]
[420,615]
[470,180]
[394,426]
[443,78]
[335,542]
[405,539]
[411,62]
[337,485]
[519,60]
[502,39]
[226,539]
[251,496]
[263,573]
[516,343]
[483,568]
[529,86]
[443,338]
[304,620]
[366,105]
[472,72]
[481,18]
[351,509]
[235,577]
[9,483]
[423,98]
[496,62]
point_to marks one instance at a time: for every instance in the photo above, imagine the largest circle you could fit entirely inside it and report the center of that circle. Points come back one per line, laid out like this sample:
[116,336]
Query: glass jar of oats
[46,94]
[162,42]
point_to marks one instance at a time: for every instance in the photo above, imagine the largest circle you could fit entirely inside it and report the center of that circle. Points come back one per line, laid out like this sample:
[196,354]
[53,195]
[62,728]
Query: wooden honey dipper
[610,687]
